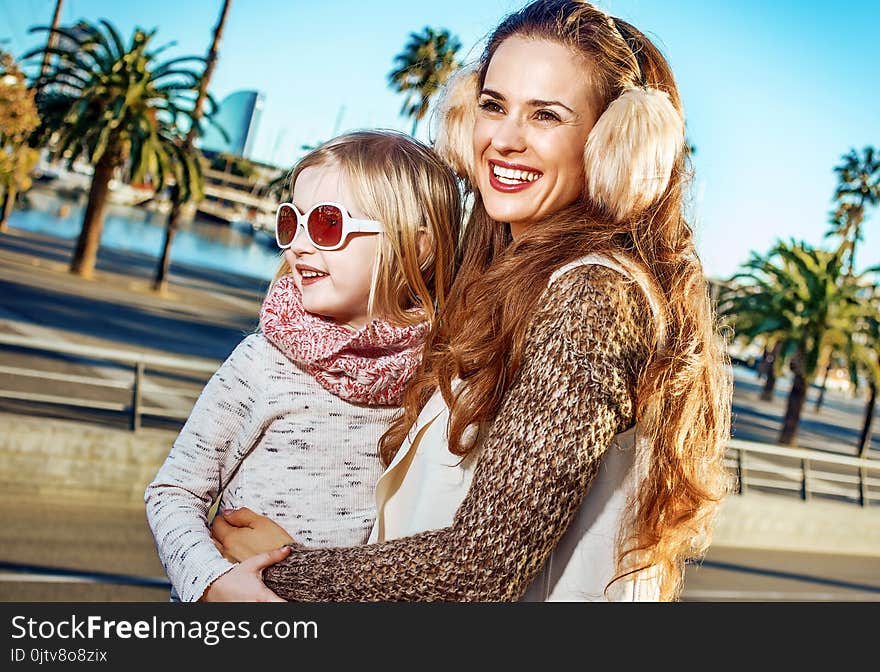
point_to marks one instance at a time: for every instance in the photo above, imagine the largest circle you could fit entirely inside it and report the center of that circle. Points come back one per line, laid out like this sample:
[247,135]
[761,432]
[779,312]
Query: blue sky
[774,92]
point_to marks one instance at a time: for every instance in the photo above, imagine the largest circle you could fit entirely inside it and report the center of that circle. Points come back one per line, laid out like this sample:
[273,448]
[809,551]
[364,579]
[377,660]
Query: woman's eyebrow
[535,102]
[549,103]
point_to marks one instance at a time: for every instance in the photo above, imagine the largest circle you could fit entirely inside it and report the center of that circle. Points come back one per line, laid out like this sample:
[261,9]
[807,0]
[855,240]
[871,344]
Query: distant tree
[160,281]
[119,108]
[752,301]
[422,68]
[18,120]
[858,188]
[815,303]
[863,354]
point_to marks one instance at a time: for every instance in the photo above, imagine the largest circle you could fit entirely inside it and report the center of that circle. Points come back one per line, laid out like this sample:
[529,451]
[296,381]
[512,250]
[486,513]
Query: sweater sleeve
[222,426]
[584,351]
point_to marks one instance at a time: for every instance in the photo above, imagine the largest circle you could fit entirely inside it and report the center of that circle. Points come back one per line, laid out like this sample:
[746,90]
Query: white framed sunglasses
[327,225]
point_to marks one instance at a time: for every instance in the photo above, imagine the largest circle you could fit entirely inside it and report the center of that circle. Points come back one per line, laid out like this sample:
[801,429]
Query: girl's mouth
[309,276]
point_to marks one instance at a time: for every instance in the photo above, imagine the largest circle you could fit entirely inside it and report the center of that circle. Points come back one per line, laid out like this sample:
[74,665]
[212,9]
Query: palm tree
[815,304]
[423,67]
[858,187]
[161,280]
[752,301]
[119,108]
[863,353]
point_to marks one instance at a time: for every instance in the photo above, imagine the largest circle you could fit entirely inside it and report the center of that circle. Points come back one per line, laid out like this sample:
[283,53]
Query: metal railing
[755,465]
[136,386]
[807,472]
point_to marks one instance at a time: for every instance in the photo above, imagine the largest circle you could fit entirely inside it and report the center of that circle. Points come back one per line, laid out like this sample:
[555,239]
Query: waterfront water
[198,243]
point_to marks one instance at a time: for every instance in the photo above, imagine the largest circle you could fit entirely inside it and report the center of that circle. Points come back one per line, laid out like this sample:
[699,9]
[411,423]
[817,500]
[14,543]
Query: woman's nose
[509,135]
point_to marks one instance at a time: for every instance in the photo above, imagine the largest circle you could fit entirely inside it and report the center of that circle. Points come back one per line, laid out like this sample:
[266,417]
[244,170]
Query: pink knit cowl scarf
[370,366]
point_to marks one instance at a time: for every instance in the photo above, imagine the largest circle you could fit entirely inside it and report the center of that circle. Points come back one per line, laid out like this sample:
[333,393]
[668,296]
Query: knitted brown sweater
[585,348]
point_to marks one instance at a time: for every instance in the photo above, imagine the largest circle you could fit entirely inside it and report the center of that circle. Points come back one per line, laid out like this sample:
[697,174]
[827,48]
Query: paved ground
[205,315]
[88,538]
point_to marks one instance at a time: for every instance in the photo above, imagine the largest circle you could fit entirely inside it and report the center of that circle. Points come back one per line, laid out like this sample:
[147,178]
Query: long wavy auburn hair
[683,396]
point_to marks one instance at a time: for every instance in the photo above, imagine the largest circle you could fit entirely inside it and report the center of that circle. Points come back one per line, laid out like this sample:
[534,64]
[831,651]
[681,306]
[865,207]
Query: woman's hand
[241,534]
[244,582]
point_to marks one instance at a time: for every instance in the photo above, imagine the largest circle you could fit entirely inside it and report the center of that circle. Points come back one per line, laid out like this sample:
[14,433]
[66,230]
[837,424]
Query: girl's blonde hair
[631,209]
[403,184]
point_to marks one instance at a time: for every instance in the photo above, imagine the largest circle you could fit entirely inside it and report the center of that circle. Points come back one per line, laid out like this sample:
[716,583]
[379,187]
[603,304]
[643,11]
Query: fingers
[263,560]
[220,529]
[242,517]
[223,552]
[260,561]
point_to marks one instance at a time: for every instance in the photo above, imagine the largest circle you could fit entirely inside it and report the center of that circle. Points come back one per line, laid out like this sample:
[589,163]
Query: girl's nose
[301,243]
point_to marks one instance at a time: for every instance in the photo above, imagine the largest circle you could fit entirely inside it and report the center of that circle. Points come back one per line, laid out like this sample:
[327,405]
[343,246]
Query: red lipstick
[496,184]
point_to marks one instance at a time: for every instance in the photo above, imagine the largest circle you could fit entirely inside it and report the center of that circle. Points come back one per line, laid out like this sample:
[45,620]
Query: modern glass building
[238,114]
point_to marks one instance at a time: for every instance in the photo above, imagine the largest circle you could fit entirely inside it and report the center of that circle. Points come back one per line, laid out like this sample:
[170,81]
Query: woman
[565,440]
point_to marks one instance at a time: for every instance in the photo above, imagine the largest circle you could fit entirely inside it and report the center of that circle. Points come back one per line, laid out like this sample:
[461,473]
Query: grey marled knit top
[312,462]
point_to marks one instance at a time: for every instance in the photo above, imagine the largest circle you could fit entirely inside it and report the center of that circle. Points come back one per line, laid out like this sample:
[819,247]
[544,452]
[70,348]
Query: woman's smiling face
[535,113]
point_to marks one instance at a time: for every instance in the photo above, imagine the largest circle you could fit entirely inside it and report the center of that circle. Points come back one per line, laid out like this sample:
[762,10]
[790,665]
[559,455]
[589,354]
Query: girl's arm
[224,423]
[586,345]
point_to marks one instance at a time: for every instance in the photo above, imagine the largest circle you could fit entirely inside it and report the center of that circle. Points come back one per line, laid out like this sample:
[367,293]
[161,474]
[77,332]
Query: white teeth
[510,176]
[312,274]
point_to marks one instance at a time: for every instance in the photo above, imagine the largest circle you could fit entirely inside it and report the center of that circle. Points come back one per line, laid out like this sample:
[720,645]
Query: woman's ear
[631,151]
[457,113]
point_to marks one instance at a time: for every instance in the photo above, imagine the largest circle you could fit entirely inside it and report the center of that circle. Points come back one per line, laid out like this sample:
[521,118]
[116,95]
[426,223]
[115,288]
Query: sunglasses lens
[325,225]
[285,225]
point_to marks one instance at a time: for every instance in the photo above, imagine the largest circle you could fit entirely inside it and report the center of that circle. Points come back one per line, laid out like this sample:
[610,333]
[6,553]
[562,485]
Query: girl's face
[534,116]
[336,283]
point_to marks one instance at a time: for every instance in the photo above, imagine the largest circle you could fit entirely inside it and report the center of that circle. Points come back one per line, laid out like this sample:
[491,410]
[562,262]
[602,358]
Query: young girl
[289,425]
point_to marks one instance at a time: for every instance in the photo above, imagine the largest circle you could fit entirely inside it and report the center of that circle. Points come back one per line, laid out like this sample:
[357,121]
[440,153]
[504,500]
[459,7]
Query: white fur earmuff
[630,152]
[456,114]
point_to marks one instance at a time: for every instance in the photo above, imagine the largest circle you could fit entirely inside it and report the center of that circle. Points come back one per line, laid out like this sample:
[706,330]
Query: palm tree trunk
[769,362]
[769,385]
[50,41]
[796,399]
[865,438]
[160,282]
[8,205]
[821,398]
[86,252]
